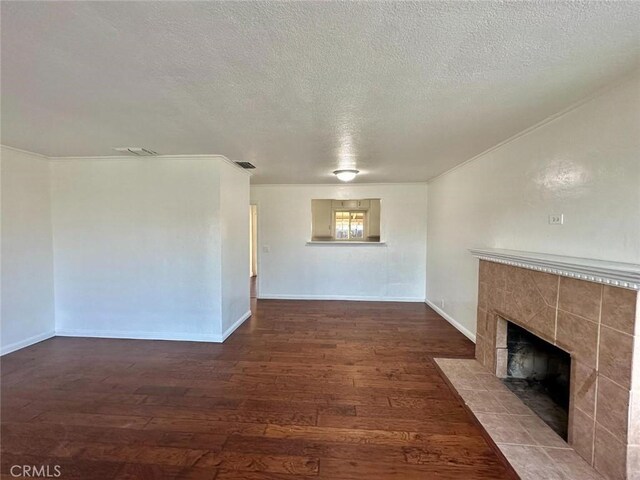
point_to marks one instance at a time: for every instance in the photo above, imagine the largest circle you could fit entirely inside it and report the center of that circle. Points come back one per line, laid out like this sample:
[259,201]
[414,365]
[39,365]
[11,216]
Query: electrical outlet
[442,303]
[266,249]
[556,219]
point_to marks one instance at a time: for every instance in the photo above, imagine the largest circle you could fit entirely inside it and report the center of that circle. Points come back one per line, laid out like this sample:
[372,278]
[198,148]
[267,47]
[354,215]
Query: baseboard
[26,342]
[237,323]
[181,337]
[465,331]
[270,296]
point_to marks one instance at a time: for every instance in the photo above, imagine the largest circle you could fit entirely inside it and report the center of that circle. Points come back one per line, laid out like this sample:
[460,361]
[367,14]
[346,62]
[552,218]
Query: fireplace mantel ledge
[624,275]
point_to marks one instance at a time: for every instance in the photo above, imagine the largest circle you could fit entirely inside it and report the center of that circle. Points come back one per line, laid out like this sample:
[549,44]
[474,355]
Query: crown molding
[125,158]
[629,76]
[24,152]
[617,274]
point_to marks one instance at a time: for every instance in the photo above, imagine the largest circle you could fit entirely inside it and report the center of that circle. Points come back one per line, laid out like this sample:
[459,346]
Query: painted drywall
[137,245]
[26,252]
[583,164]
[235,241]
[290,268]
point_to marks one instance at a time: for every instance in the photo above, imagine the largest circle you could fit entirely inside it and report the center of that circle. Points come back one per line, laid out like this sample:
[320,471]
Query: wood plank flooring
[316,390]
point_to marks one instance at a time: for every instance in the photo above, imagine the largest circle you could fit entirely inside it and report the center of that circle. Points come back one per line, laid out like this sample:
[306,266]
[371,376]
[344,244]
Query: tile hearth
[531,447]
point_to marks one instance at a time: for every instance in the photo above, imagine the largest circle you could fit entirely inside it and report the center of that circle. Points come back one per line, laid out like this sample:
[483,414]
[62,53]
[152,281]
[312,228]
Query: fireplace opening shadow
[538,373]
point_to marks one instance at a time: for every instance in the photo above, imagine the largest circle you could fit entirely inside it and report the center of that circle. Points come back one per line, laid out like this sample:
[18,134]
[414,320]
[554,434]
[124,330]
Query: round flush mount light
[346,175]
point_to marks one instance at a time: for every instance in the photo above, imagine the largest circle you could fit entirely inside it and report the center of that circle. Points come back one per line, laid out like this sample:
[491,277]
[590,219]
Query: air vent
[246,165]
[137,151]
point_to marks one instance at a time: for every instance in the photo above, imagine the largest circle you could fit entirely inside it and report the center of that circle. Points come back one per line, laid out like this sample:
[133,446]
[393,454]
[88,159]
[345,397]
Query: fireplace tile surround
[596,324]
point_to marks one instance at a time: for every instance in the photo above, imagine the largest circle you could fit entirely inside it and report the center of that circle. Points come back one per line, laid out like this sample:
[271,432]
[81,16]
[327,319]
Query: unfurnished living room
[320,240]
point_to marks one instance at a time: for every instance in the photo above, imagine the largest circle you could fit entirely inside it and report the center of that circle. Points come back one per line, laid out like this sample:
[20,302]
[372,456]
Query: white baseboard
[237,323]
[137,335]
[133,335]
[26,342]
[270,296]
[462,329]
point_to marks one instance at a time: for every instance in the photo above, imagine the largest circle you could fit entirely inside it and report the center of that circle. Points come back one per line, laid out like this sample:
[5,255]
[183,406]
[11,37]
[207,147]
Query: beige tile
[501,332]
[543,323]
[483,271]
[503,429]
[633,431]
[461,377]
[514,278]
[490,359]
[481,322]
[581,434]
[583,387]
[580,298]
[610,455]
[512,403]
[480,344]
[466,382]
[635,362]
[495,276]
[523,300]
[613,407]
[491,329]
[473,366]
[495,299]
[483,294]
[547,285]
[577,336]
[490,382]
[502,360]
[616,355]
[572,466]
[531,463]
[482,402]
[633,462]
[541,432]
[619,308]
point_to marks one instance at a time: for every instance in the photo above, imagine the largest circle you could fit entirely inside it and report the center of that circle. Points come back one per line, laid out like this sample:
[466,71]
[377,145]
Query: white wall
[292,269]
[584,164]
[26,252]
[137,244]
[234,229]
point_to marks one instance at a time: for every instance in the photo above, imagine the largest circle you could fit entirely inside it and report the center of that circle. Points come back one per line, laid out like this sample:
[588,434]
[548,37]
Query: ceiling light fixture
[346,175]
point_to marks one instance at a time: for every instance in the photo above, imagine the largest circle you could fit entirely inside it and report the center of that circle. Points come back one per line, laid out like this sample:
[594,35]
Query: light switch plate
[556,219]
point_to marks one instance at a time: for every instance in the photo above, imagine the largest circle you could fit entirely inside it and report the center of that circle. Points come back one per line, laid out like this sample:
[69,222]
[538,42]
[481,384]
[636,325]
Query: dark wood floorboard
[326,390]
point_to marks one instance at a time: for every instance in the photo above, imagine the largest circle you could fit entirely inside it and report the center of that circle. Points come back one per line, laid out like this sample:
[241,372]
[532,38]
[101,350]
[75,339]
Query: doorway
[253,250]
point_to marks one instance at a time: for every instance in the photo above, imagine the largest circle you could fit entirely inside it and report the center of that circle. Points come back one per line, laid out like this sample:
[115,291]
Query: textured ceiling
[403,90]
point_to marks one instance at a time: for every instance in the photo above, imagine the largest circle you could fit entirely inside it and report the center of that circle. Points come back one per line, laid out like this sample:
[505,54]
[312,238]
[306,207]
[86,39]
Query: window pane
[342,225]
[357,224]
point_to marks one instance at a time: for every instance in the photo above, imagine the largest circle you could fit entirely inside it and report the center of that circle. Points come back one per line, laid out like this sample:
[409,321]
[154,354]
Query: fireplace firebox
[539,372]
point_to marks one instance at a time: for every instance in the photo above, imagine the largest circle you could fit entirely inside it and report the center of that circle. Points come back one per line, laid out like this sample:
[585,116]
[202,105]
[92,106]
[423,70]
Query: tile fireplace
[594,320]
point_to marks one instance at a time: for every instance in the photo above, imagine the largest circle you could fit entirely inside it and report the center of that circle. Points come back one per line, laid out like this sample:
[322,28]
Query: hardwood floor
[327,390]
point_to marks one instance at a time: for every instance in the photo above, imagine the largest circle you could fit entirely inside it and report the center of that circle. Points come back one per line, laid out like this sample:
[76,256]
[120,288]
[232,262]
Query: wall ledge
[616,274]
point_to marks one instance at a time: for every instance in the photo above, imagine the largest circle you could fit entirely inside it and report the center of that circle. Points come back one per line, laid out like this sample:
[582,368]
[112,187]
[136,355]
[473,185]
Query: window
[349,225]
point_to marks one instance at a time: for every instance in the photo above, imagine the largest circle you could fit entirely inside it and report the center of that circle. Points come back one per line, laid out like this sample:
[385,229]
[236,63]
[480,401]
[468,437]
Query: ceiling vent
[246,165]
[137,151]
